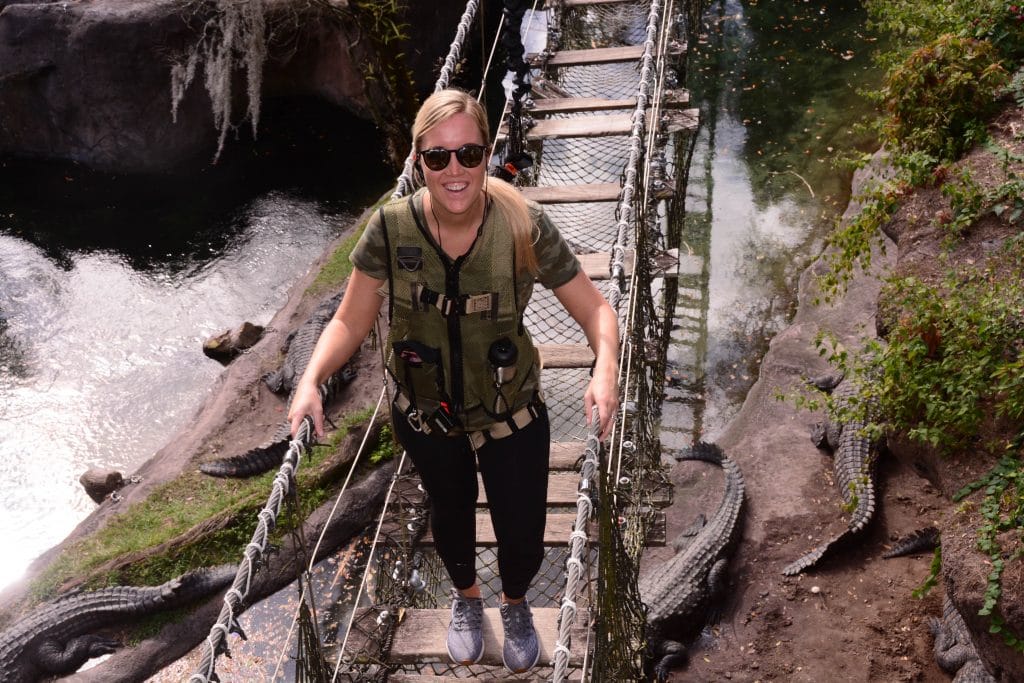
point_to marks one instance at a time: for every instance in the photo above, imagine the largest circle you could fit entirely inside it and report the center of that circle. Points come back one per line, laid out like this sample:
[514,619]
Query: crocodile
[922,540]
[301,343]
[57,637]
[855,455]
[681,592]
[954,650]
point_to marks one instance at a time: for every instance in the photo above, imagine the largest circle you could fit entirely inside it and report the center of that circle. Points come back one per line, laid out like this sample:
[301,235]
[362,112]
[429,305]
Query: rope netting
[592,581]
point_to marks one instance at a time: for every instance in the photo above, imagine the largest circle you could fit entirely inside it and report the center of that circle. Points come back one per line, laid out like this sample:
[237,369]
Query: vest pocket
[421,370]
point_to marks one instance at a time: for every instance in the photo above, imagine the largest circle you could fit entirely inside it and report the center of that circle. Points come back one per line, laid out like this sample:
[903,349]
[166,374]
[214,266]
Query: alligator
[922,540]
[682,592]
[57,637]
[954,650]
[855,455]
[301,343]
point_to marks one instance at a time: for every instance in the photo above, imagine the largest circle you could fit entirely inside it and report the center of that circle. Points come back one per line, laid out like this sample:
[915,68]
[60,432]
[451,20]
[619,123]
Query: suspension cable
[405,181]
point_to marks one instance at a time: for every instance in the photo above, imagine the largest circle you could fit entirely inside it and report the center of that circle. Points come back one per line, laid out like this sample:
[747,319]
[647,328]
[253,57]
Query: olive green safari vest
[446,315]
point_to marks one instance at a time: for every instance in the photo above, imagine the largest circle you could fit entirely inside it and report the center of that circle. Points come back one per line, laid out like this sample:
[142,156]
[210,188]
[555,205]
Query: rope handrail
[227,622]
[577,544]
[578,538]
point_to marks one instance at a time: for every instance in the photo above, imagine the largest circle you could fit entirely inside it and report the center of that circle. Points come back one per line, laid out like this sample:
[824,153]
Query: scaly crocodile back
[678,590]
[954,650]
[269,455]
[854,459]
[83,612]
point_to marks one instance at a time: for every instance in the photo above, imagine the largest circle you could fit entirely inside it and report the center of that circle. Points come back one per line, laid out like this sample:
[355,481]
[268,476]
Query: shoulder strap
[391,279]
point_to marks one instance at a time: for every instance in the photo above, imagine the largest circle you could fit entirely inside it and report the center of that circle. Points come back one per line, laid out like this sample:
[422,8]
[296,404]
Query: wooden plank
[426,678]
[671,99]
[556,530]
[596,266]
[604,125]
[599,55]
[421,635]
[566,194]
[564,454]
[599,266]
[676,121]
[565,355]
[569,105]
[562,488]
[586,3]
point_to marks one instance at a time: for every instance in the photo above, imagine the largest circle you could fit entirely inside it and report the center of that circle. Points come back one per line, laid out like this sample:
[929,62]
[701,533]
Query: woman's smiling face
[454,189]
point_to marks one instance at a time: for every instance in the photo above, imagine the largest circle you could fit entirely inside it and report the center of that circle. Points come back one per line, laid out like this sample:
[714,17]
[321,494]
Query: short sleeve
[555,259]
[370,253]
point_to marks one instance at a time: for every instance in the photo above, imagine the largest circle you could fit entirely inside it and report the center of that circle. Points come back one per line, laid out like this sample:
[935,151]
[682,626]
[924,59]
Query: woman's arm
[586,305]
[339,340]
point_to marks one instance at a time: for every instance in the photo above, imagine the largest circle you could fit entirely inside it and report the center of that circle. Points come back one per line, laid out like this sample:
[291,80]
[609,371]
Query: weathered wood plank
[599,266]
[565,355]
[564,454]
[556,530]
[570,105]
[566,194]
[561,489]
[422,632]
[599,55]
[423,678]
[587,3]
[604,125]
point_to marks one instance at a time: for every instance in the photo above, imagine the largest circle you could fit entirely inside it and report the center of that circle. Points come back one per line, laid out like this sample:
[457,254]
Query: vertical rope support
[405,183]
[577,545]
[216,640]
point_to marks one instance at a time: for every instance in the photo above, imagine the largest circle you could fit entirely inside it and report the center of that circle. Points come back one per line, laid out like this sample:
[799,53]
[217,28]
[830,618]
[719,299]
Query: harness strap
[499,430]
[461,305]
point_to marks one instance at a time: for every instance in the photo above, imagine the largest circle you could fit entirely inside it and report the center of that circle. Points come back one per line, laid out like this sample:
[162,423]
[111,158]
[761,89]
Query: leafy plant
[936,101]
[1002,510]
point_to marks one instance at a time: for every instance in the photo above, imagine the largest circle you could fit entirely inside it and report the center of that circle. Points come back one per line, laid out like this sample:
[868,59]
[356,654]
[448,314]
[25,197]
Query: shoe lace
[465,618]
[518,620]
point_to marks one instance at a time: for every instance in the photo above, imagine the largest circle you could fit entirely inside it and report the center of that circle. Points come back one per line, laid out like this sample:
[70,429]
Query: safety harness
[447,318]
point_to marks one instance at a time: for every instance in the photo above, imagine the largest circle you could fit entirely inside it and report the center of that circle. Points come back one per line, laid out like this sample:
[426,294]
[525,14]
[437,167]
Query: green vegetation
[203,521]
[338,266]
[952,369]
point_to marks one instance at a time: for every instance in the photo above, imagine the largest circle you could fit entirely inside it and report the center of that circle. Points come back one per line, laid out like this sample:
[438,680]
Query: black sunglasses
[437,158]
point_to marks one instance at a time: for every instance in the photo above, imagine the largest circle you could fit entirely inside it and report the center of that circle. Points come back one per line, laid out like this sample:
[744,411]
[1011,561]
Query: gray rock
[100,483]
[224,346]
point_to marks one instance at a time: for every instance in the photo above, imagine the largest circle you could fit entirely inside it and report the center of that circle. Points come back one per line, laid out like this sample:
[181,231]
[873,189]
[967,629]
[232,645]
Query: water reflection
[777,85]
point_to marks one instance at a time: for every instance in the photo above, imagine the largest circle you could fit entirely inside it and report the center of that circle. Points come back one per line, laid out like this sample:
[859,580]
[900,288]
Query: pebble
[815,589]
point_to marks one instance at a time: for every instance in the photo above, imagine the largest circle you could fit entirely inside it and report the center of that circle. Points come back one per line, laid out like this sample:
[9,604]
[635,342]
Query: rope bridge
[594,115]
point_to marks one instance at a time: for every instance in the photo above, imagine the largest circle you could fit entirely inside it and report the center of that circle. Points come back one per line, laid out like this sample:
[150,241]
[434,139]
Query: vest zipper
[451,286]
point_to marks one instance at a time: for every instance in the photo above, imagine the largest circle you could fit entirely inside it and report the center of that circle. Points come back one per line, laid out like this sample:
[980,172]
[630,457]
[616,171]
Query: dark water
[777,83]
[109,286]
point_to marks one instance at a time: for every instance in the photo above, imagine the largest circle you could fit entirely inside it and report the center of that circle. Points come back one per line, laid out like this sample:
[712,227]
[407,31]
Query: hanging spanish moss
[232,38]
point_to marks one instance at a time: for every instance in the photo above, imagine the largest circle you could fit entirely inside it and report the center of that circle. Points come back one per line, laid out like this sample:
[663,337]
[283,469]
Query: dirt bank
[852,618]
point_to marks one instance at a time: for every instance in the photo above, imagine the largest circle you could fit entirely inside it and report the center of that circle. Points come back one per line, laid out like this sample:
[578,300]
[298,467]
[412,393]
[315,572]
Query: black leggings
[515,475]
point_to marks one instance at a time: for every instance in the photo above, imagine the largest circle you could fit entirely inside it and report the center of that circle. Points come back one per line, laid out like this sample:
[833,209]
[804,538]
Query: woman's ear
[417,171]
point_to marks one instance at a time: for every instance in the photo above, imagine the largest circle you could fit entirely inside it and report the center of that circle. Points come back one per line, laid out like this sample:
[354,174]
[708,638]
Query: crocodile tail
[708,452]
[812,558]
[921,540]
[201,582]
[255,461]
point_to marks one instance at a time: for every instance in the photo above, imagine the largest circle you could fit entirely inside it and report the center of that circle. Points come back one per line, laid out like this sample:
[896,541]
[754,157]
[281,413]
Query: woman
[457,262]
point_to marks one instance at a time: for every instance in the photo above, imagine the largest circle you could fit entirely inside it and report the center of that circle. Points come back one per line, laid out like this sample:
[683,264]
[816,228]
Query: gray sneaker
[521,650]
[465,636]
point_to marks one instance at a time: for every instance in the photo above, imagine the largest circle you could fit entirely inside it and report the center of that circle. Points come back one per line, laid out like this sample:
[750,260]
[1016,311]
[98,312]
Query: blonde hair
[440,107]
